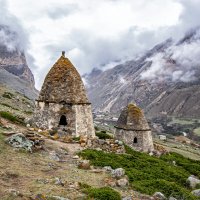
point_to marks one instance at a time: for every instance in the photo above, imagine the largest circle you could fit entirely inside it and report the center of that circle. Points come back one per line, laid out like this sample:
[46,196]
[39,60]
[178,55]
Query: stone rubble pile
[118,177]
[108,145]
[28,141]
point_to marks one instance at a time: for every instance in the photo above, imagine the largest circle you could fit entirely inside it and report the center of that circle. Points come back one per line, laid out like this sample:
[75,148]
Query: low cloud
[179,62]
[12,35]
[95,34]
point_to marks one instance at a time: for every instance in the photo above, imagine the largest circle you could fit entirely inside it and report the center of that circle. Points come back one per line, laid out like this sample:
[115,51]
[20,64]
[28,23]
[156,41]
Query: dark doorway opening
[135,140]
[63,121]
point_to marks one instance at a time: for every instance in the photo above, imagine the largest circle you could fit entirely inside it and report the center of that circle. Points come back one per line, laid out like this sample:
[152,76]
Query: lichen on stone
[134,112]
[132,118]
[63,83]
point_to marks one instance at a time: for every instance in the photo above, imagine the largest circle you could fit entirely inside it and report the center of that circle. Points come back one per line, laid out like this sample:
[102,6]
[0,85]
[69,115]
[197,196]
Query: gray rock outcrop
[20,141]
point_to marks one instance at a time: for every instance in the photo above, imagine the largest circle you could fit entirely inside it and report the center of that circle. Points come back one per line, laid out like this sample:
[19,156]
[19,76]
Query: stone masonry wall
[84,120]
[79,118]
[144,139]
[47,116]
[108,145]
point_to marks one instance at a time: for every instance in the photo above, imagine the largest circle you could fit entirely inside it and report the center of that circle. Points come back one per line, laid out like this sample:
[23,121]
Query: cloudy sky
[94,33]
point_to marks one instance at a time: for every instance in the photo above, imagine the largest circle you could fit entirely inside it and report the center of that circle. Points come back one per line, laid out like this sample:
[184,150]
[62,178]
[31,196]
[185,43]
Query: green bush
[10,117]
[104,193]
[149,174]
[103,135]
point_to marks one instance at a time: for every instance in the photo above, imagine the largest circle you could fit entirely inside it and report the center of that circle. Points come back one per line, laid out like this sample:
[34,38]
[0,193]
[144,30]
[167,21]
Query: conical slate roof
[132,118]
[63,83]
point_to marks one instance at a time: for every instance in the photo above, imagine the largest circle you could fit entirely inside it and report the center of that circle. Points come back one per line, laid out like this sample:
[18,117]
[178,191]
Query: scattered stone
[159,196]
[174,162]
[193,181]
[97,171]
[196,193]
[58,181]
[58,198]
[118,173]
[151,153]
[108,169]
[83,144]
[172,198]
[76,157]
[127,198]
[20,141]
[42,181]
[98,149]
[14,192]
[85,164]
[101,142]
[74,185]
[110,182]
[31,129]
[54,156]
[28,125]
[123,182]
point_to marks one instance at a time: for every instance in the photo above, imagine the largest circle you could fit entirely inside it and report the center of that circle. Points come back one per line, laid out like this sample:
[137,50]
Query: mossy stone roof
[63,83]
[132,118]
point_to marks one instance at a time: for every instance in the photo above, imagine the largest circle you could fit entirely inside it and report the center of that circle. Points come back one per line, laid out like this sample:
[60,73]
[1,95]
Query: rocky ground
[55,170]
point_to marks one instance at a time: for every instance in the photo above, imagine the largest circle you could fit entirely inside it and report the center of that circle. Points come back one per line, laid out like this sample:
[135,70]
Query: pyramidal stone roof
[132,118]
[63,83]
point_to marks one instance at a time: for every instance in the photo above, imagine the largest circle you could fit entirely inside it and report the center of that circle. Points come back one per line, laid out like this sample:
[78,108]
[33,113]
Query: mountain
[14,71]
[163,81]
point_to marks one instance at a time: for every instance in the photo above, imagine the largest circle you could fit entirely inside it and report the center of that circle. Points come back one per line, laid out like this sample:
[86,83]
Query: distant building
[63,103]
[133,129]
[162,137]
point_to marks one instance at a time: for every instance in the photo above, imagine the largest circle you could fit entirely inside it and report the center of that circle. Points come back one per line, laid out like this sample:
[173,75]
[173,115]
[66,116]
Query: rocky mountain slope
[14,71]
[165,80]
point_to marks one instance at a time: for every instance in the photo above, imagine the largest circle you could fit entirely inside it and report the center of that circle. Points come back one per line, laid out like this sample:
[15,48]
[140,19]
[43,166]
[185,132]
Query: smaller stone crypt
[132,128]
[62,102]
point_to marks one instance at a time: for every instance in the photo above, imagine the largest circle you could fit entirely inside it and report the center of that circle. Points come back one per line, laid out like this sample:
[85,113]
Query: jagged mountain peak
[15,72]
[170,75]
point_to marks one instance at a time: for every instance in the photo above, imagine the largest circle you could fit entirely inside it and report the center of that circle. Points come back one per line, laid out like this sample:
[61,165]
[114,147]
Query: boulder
[76,157]
[20,141]
[118,173]
[172,198]
[123,182]
[108,168]
[196,193]
[193,181]
[159,196]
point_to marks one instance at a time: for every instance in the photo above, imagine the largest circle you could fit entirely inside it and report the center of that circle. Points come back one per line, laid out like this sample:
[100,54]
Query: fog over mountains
[164,80]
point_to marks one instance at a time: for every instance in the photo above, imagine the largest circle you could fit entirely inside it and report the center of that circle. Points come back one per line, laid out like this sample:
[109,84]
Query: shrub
[149,174]
[104,193]
[103,135]
[11,117]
